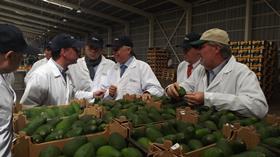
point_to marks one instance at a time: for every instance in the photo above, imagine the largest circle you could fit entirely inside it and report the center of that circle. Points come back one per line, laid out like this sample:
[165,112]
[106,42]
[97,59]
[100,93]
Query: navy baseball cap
[95,42]
[121,41]
[188,39]
[65,41]
[11,39]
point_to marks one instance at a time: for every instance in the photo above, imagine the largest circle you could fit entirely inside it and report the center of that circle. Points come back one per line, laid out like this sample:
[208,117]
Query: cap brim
[78,44]
[113,46]
[95,45]
[197,43]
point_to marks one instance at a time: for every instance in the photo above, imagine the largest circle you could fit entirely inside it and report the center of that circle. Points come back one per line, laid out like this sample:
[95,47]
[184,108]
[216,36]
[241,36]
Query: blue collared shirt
[211,74]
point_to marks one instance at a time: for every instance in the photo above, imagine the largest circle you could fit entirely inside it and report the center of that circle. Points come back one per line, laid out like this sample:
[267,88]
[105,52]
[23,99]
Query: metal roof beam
[93,12]
[43,29]
[127,7]
[35,31]
[41,9]
[48,25]
[86,29]
[181,3]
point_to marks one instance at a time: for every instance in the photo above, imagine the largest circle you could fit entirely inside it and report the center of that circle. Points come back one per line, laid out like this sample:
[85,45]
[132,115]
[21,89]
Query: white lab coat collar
[226,69]
[54,68]
[84,64]
[196,64]
[131,65]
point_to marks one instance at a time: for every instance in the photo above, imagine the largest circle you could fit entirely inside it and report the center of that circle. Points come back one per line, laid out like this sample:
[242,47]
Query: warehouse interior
[154,26]
[160,24]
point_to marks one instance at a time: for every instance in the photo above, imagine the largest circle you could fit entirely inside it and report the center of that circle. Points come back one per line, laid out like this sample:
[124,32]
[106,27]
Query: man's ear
[62,52]
[9,54]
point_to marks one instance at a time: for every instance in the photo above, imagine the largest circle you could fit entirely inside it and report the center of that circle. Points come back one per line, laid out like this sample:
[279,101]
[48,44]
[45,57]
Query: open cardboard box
[120,126]
[187,114]
[247,134]
[272,119]
[170,150]
[23,147]
[20,120]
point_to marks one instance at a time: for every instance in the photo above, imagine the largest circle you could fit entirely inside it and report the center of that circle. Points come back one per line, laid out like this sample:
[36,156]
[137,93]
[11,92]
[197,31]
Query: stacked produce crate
[261,57]
[157,58]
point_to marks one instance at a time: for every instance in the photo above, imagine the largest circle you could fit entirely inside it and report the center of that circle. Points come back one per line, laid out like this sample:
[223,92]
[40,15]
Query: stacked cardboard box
[157,58]
[261,57]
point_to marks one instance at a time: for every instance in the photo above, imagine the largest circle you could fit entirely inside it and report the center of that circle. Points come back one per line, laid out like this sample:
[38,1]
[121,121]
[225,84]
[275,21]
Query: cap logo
[186,38]
[93,38]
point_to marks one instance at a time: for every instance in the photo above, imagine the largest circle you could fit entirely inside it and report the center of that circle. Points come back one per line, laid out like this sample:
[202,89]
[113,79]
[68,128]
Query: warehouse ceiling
[80,17]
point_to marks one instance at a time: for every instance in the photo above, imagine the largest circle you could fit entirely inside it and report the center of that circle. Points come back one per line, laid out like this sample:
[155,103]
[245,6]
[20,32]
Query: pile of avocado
[120,104]
[113,146]
[189,136]
[138,114]
[42,130]
[52,112]
[269,134]
[226,148]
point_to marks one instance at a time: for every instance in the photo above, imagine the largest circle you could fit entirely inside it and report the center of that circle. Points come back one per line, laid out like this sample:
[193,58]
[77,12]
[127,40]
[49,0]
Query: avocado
[108,151]
[249,154]
[116,140]
[50,151]
[213,152]
[153,133]
[86,150]
[131,152]
[72,146]
[99,141]
[181,91]
[144,141]
[194,144]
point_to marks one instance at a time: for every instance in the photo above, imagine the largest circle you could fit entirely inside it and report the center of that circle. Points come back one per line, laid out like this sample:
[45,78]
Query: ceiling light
[54,26]
[64,20]
[58,4]
[48,30]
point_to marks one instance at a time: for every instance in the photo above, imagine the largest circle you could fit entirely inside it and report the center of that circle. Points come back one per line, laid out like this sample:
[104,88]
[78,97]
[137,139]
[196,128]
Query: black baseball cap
[65,41]
[95,42]
[11,39]
[121,41]
[188,39]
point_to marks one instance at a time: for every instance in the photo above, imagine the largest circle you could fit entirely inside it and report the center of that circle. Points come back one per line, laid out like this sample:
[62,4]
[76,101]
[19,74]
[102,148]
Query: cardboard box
[20,120]
[25,148]
[187,114]
[247,134]
[169,150]
[120,126]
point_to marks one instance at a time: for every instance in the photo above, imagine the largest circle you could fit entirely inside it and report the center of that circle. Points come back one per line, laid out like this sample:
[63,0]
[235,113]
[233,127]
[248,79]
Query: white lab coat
[7,100]
[183,69]
[47,87]
[10,77]
[235,88]
[80,74]
[34,67]
[137,78]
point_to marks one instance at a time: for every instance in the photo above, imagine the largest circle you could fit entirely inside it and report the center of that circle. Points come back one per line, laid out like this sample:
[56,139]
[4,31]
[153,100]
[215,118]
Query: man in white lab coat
[50,84]
[89,71]
[130,75]
[222,81]
[191,57]
[12,46]
[48,55]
